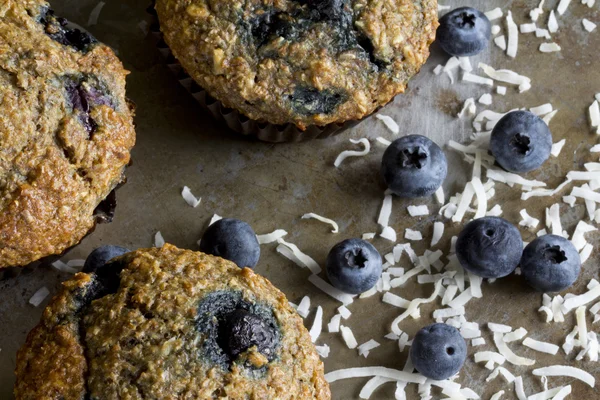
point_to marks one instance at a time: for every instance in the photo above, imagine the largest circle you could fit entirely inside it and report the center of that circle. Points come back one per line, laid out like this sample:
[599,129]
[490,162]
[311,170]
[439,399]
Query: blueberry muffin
[66,130]
[169,324]
[303,62]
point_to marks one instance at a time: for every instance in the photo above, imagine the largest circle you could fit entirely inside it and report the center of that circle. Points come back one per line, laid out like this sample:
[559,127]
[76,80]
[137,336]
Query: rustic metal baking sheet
[271,186]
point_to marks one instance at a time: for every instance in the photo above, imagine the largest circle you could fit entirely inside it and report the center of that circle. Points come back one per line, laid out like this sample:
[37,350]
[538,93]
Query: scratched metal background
[271,186]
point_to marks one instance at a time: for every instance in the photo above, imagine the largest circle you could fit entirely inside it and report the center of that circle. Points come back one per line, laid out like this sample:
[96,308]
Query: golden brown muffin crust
[310,62]
[142,341]
[55,170]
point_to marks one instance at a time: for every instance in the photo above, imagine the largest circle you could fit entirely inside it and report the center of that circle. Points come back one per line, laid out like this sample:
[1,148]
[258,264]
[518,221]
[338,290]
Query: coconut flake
[552,22]
[542,110]
[519,391]
[383,141]
[588,25]
[499,328]
[62,267]
[462,299]
[564,392]
[486,99]
[500,41]
[410,234]
[418,211]
[563,370]
[365,348]
[389,123]
[383,372]
[494,14]
[594,112]
[562,6]
[95,14]
[323,351]
[385,212]
[39,296]
[478,342]
[507,76]
[513,36]
[304,307]
[388,233]
[481,197]
[466,198]
[469,77]
[334,323]
[582,326]
[496,29]
[438,69]
[331,222]
[189,197]
[542,33]
[505,351]
[271,237]
[497,396]
[545,192]
[214,219]
[159,241]
[348,337]
[557,147]
[317,327]
[546,394]
[337,294]
[294,254]
[578,238]
[515,336]
[549,47]
[438,232]
[351,153]
[542,347]
[372,385]
[527,220]
[496,211]
[414,306]
[510,178]
[501,90]
[486,356]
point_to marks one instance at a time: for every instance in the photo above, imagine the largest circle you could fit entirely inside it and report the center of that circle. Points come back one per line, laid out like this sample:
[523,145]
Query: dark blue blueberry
[330,10]
[244,329]
[233,240]
[464,32]
[550,264]
[414,166]
[106,272]
[57,28]
[310,101]
[489,247]
[521,142]
[230,325]
[438,351]
[354,266]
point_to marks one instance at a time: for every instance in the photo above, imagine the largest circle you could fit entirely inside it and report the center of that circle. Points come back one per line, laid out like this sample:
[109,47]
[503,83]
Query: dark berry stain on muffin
[310,101]
[273,24]
[232,326]
[83,94]
[57,28]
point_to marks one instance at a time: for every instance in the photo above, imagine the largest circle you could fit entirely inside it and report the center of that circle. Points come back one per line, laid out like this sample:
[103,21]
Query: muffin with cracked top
[302,62]
[66,130]
[169,323]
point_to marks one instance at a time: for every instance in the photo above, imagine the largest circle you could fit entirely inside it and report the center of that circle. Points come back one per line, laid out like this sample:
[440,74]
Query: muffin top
[165,324]
[66,130]
[306,62]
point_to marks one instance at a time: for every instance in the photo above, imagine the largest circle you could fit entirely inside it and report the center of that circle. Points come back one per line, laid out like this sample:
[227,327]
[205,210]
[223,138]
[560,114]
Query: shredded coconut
[271,237]
[334,324]
[39,296]
[348,337]
[494,14]
[323,351]
[389,123]
[469,77]
[418,211]
[438,232]
[95,14]
[542,347]
[159,241]
[331,222]
[549,47]
[412,235]
[513,36]
[317,327]
[562,6]
[508,353]
[352,153]
[293,253]
[189,197]
[304,307]
[562,370]
[507,76]
[388,233]
[552,23]
[337,294]
[500,41]
[365,348]
[588,25]
[557,147]
[374,371]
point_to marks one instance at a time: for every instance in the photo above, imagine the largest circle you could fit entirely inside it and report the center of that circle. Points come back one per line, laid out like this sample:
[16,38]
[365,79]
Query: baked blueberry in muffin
[169,323]
[66,130]
[302,62]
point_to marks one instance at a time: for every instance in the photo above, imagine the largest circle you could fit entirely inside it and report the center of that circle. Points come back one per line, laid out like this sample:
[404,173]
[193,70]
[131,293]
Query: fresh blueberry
[489,247]
[101,256]
[233,240]
[245,329]
[107,273]
[438,351]
[414,166]
[464,32]
[354,266]
[521,142]
[550,264]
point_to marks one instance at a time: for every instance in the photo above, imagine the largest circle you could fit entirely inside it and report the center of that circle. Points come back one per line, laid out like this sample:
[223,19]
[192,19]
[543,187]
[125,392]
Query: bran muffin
[66,130]
[164,324]
[307,63]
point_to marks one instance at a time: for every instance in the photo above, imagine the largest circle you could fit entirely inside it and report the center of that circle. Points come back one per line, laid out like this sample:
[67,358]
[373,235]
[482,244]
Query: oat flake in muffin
[153,324]
[66,130]
[306,62]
